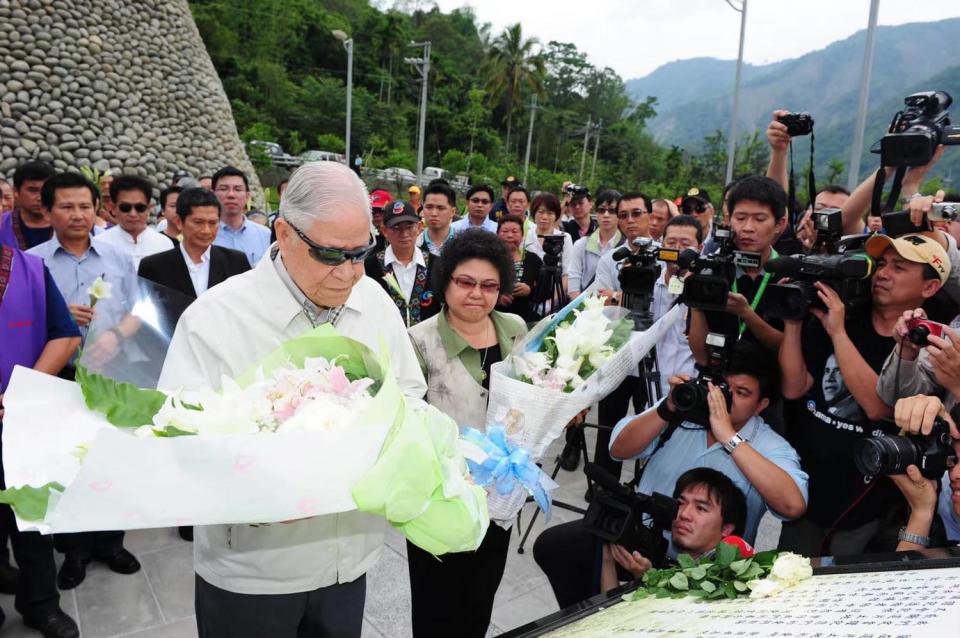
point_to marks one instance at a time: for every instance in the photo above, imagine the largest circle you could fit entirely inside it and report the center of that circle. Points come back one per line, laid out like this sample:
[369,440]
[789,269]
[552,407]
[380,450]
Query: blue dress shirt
[252,239]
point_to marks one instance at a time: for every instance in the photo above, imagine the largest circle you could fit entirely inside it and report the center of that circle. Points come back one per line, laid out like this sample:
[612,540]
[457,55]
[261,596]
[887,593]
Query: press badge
[675,287]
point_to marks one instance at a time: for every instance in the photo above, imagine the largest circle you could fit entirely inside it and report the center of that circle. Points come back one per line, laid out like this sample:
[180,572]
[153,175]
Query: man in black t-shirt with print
[830,365]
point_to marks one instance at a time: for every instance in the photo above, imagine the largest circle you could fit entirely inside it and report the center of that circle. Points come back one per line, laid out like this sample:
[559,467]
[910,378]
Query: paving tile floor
[157,602]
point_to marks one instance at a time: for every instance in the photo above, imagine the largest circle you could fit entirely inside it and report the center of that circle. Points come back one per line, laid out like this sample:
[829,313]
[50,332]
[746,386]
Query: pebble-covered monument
[124,85]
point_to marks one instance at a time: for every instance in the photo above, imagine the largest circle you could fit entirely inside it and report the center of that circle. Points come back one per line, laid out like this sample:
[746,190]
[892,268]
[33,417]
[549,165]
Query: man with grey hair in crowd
[305,577]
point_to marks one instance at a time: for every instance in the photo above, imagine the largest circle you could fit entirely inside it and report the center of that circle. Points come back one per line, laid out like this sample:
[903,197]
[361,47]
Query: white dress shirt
[464,224]
[406,274]
[199,273]
[533,239]
[224,332]
[149,242]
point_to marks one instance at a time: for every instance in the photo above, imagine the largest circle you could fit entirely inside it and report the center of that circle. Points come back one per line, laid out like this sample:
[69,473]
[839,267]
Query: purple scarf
[7,235]
[23,311]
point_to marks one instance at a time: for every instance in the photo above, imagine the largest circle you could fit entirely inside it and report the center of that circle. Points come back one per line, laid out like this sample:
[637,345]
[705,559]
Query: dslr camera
[618,514]
[899,224]
[919,331]
[916,131]
[798,124]
[885,455]
[576,190]
[690,397]
[708,285]
[848,274]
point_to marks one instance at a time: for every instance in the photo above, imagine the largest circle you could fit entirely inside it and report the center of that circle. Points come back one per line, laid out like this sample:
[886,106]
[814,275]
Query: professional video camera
[617,514]
[690,397]
[848,274]
[639,270]
[708,285]
[828,224]
[916,131]
[899,223]
[798,124]
[884,455]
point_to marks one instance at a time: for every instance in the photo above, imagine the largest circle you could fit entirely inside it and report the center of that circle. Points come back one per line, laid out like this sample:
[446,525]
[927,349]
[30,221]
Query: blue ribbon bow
[506,465]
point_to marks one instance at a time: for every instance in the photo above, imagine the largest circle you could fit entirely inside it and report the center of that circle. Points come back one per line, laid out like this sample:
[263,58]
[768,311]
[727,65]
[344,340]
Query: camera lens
[919,335]
[885,455]
[687,395]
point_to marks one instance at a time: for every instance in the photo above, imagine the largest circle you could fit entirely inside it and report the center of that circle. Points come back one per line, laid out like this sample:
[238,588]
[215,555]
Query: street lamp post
[348,45]
[422,64]
[732,141]
[853,175]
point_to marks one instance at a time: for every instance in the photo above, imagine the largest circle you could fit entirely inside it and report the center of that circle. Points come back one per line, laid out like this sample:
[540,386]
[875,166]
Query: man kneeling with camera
[709,507]
[712,422]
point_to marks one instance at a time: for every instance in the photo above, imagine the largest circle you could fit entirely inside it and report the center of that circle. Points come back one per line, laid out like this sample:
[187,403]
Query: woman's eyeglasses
[601,210]
[329,256]
[126,207]
[487,286]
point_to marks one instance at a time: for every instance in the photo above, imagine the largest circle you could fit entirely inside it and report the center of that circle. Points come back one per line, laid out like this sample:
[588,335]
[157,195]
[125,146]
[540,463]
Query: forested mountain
[694,96]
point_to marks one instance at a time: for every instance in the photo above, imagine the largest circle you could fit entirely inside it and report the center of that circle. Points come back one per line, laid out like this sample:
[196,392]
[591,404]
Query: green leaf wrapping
[123,404]
[30,503]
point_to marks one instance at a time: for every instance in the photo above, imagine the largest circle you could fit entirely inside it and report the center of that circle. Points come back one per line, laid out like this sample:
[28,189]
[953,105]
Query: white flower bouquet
[564,365]
[317,427]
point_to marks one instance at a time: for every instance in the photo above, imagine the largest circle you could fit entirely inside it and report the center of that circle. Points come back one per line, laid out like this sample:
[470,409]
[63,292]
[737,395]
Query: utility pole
[732,140]
[583,153]
[526,160]
[422,64]
[596,148]
[853,173]
[348,45]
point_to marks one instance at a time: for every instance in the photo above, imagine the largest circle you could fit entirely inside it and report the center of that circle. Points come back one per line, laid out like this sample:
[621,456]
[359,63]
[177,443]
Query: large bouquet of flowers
[564,365]
[317,427]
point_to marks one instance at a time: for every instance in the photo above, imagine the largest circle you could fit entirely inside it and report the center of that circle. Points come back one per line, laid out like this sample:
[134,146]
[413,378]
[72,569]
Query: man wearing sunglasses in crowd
[479,203]
[131,197]
[270,580]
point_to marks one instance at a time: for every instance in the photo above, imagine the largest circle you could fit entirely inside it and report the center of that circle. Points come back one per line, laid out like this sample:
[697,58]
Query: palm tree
[513,64]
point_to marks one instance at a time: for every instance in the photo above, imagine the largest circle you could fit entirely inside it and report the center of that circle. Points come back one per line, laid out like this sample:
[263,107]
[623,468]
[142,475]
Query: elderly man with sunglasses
[131,197]
[307,577]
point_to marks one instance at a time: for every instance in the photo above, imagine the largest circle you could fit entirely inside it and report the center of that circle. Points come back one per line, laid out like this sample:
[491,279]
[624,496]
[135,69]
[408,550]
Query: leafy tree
[513,65]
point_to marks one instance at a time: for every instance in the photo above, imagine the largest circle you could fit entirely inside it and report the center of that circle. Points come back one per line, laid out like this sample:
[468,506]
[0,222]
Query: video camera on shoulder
[617,514]
[847,273]
[899,223]
[828,224]
[885,455]
[917,130]
[690,397]
[576,190]
[711,277]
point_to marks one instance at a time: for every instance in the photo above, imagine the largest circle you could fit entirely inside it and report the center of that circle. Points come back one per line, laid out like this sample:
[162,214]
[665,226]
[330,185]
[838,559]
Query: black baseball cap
[399,212]
[510,181]
[695,199]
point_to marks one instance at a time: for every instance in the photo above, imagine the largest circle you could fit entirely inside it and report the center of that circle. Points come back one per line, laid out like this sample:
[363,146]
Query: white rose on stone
[765,588]
[791,568]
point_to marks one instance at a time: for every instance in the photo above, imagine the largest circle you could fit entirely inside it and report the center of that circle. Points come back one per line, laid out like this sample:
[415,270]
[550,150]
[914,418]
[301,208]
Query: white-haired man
[304,578]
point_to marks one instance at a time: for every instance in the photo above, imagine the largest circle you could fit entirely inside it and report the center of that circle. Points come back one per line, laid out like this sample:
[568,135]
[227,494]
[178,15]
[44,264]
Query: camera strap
[757,295]
[876,207]
[793,210]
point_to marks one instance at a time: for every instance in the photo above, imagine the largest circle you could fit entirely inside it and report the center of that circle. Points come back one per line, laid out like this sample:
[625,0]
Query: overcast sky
[634,37]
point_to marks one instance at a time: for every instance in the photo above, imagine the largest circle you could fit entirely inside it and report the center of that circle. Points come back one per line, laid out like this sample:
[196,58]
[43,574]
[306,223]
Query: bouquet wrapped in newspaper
[317,427]
[564,365]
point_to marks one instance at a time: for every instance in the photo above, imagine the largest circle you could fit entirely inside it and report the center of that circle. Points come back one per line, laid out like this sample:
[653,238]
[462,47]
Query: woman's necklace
[483,362]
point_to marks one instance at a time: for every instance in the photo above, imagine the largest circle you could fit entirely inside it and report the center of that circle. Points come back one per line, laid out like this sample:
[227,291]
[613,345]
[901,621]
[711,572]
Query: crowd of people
[449,290]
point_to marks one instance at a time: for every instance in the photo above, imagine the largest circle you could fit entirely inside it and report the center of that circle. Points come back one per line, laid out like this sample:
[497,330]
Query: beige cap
[413,189]
[917,248]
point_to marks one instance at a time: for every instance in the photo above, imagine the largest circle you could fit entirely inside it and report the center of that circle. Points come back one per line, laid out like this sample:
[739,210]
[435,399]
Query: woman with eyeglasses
[587,251]
[526,266]
[456,348]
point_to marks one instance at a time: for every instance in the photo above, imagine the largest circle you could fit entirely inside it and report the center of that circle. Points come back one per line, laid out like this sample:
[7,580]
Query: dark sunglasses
[696,208]
[334,256]
[126,207]
[636,214]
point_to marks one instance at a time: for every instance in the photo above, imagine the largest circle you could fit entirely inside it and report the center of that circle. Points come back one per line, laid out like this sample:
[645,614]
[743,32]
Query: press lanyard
[758,295]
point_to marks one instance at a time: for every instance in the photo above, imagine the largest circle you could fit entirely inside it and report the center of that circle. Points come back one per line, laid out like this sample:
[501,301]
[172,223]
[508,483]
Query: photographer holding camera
[757,208]
[710,507]
[919,416]
[831,364]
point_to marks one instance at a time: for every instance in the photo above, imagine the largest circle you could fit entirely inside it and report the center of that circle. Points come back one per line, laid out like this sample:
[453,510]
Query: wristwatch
[916,539]
[732,444]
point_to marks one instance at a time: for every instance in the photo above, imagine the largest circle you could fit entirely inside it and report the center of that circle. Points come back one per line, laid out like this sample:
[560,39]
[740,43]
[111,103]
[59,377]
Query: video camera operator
[918,416]
[831,363]
[757,208]
[710,507]
[579,564]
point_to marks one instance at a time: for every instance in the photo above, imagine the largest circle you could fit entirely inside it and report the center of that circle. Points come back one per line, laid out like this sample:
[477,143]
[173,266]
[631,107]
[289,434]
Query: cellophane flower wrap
[317,427]
[564,365]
